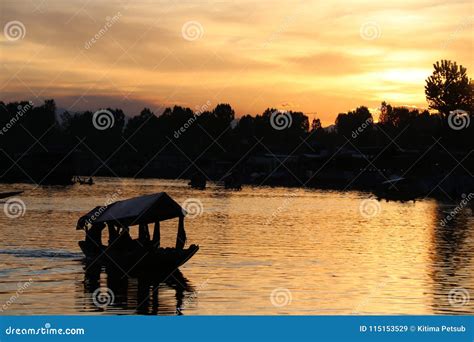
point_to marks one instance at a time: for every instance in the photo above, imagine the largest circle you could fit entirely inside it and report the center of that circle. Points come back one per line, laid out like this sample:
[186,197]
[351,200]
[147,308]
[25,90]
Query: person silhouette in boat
[113,233]
[124,240]
[94,235]
[143,234]
[119,236]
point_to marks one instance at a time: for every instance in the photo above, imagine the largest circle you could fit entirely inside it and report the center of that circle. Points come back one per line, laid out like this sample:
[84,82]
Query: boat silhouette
[135,255]
[9,194]
[198,181]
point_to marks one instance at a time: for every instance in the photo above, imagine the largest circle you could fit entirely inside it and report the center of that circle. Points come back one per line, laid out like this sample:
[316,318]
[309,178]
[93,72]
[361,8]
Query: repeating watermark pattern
[458,119]
[192,297]
[358,131]
[192,30]
[109,200]
[369,297]
[369,208]
[458,297]
[14,208]
[281,119]
[281,297]
[109,22]
[103,119]
[187,124]
[282,207]
[14,30]
[465,24]
[370,31]
[21,287]
[103,297]
[282,27]
[192,208]
[22,110]
[464,202]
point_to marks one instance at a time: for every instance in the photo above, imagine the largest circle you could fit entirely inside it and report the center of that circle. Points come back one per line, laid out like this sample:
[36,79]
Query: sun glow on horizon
[309,56]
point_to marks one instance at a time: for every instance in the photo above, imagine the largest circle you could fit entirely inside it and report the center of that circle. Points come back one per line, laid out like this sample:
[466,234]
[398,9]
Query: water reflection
[452,270]
[314,243]
[143,295]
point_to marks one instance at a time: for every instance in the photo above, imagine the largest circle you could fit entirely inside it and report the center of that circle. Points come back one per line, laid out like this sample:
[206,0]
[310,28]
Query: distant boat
[82,181]
[198,181]
[9,194]
[233,181]
[142,254]
[400,189]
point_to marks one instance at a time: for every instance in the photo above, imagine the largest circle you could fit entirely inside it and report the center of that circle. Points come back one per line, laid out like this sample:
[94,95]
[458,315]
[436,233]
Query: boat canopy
[138,210]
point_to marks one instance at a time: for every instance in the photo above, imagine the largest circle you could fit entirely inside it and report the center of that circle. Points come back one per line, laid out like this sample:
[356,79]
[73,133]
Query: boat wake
[41,253]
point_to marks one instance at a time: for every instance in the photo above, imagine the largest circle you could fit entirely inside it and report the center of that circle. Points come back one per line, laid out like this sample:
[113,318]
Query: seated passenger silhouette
[94,236]
[143,234]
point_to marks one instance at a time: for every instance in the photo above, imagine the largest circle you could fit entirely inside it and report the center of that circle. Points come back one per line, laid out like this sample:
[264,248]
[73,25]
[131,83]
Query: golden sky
[319,57]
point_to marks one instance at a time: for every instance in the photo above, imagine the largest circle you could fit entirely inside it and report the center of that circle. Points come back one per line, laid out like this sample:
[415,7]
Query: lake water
[262,250]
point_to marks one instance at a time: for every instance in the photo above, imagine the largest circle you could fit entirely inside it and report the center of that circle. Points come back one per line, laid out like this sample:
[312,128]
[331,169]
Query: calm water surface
[263,251]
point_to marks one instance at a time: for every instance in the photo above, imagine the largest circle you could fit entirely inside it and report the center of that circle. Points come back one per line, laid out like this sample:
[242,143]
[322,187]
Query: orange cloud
[316,56]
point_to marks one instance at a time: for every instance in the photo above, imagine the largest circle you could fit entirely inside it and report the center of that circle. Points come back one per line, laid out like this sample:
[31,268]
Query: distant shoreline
[340,187]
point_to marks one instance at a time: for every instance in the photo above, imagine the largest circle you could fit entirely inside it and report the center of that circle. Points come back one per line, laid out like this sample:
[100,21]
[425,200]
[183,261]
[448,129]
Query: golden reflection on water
[312,249]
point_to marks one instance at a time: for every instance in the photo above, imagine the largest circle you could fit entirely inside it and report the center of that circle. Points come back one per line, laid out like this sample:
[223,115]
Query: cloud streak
[252,54]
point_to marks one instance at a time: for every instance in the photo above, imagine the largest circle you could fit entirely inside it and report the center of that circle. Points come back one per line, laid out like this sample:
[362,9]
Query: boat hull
[139,259]
[9,194]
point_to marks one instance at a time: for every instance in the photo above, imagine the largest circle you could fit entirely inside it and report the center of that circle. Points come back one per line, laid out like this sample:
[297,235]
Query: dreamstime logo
[14,208]
[192,30]
[458,297]
[103,297]
[111,198]
[192,297]
[370,31]
[103,119]
[464,202]
[21,287]
[14,30]
[465,24]
[282,207]
[280,297]
[192,208]
[281,119]
[369,208]
[109,22]
[458,119]
[191,120]
[283,26]
[362,127]
[22,110]
[367,299]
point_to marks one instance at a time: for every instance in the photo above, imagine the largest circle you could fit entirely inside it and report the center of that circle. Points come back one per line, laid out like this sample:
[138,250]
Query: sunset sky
[319,57]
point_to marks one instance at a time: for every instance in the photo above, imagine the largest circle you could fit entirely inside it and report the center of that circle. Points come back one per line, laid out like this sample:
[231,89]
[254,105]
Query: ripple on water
[314,244]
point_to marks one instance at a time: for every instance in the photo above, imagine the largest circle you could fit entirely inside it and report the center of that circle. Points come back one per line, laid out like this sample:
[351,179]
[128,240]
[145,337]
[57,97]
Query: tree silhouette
[346,124]
[316,125]
[449,88]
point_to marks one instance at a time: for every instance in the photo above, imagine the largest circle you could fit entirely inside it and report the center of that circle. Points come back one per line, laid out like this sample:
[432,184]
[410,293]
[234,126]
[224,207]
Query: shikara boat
[232,181]
[143,253]
[400,189]
[83,181]
[198,181]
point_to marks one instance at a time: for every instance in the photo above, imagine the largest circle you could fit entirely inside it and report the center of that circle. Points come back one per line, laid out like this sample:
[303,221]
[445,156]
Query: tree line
[215,133]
